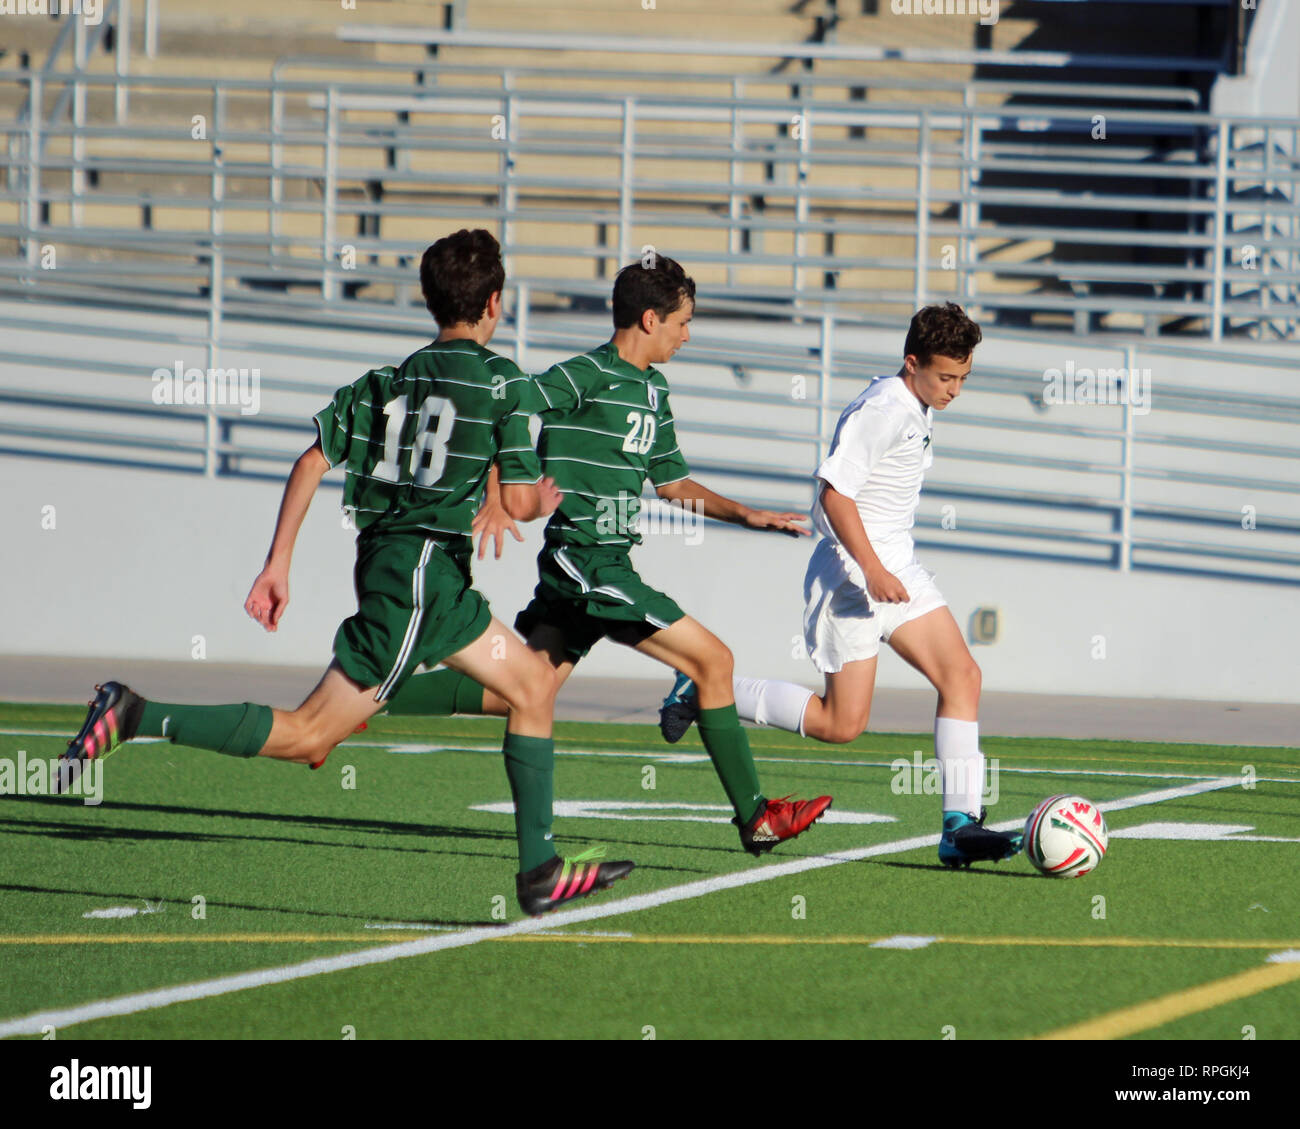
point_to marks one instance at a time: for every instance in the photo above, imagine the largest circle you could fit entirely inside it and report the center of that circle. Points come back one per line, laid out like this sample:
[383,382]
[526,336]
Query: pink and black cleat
[114,718]
[562,880]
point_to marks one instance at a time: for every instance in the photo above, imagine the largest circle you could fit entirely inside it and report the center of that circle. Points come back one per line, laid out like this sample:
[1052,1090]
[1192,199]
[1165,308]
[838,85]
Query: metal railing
[812,52]
[759,201]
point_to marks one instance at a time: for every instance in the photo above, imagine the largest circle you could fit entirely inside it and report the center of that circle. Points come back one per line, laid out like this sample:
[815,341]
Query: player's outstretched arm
[842,512]
[269,595]
[719,508]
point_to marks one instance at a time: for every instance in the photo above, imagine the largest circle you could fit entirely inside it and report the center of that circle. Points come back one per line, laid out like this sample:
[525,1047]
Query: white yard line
[206,989]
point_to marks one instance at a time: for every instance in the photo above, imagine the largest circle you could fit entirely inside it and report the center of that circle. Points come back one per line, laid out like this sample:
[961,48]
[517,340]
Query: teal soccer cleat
[966,840]
[680,709]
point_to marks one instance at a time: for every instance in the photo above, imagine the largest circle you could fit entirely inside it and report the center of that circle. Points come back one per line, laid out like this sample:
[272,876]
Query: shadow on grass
[989,870]
[319,822]
[74,829]
[184,902]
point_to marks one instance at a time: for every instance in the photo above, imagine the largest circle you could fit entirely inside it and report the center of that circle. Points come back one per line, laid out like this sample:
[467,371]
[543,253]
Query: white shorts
[841,623]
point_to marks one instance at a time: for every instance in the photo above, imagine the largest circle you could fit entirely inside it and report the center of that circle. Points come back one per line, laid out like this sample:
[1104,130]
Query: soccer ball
[1066,836]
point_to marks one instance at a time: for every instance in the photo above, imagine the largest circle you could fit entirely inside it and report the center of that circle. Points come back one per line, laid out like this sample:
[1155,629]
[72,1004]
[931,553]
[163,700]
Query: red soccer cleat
[779,820]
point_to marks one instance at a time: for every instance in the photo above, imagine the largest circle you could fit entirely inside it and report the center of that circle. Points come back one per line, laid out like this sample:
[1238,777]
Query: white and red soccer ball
[1066,836]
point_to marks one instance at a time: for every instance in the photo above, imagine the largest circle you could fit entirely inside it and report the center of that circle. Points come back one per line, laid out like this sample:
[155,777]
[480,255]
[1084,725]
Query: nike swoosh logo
[913,434]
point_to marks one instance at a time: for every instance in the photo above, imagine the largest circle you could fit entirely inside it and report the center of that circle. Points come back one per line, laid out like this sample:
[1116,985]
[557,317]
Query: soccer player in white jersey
[864,585]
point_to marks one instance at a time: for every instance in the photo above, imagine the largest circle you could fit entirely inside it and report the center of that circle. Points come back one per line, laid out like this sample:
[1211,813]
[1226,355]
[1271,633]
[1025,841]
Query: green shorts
[588,594]
[414,605]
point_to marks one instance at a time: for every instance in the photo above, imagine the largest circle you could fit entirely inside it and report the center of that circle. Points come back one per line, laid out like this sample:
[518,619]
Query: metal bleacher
[817,188]
[811,190]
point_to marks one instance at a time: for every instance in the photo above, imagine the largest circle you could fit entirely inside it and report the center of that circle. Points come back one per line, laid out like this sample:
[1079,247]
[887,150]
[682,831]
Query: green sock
[728,746]
[530,765]
[237,731]
[438,693]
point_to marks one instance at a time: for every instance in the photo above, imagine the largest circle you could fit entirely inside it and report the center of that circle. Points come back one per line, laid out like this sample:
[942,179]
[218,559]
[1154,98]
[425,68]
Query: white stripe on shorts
[413,626]
[570,568]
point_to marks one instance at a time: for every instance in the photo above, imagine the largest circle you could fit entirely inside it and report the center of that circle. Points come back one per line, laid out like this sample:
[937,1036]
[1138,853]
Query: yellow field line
[779,939]
[1176,1005]
[1122,942]
[640,939]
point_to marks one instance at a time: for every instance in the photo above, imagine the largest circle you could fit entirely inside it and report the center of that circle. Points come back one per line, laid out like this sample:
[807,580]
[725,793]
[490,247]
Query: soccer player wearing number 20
[417,442]
[864,585]
[607,429]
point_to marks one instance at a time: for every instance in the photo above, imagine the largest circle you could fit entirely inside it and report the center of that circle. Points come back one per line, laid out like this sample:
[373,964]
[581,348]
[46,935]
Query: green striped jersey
[417,440]
[606,428]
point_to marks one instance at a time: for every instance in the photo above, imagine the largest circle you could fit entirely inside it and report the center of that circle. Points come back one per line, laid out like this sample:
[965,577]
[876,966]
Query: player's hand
[268,597]
[885,588]
[549,497]
[782,522]
[492,521]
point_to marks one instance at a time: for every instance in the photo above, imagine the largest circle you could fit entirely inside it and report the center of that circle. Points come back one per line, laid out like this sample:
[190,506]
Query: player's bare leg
[840,714]
[331,712]
[547,644]
[843,712]
[693,649]
[688,646]
[244,729]
[328,715]
[933,644]
[516,680]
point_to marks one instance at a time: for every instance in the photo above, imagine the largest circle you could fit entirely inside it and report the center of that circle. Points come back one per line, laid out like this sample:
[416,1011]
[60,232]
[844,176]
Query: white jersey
[879,457]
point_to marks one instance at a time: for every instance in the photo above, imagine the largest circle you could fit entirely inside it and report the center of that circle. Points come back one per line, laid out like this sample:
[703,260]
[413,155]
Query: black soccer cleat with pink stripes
[562,880]
[114,718]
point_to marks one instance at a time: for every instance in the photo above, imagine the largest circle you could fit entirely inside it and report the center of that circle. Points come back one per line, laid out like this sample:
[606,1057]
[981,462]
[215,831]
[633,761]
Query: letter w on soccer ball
[1066,836]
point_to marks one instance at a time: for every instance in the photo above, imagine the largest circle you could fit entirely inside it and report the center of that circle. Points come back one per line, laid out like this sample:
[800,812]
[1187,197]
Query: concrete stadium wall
[143,564]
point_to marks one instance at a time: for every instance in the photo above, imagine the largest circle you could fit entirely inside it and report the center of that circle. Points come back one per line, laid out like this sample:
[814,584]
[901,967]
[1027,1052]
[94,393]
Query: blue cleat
[966,840]
[679,710]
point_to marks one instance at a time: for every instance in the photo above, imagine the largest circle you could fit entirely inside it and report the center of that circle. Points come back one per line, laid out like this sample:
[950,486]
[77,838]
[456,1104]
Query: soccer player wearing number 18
[606,429]
[417,442]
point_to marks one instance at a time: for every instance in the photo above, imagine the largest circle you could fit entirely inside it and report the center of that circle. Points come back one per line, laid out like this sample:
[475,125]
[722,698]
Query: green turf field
[386,860]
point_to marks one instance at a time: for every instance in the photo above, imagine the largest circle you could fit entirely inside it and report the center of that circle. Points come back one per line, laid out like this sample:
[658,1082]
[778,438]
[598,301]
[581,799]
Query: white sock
[957,749]
[768,702]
